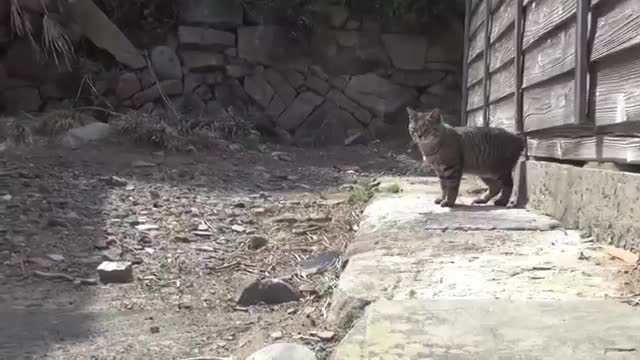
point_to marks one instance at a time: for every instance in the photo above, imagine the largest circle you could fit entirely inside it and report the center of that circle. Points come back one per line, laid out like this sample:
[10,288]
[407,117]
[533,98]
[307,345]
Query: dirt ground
[190,224]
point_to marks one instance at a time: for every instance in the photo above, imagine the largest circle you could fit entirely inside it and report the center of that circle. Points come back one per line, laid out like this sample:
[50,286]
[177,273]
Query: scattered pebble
[283,351]
[268,291]
[117,272]
[286,218]
[257,242]
[276,335]
[147,227]
[142,164]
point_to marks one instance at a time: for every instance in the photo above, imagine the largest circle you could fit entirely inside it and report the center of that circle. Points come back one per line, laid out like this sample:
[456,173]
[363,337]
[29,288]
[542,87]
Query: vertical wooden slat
[582,61]
[487,42]
[519,68]
[465,64]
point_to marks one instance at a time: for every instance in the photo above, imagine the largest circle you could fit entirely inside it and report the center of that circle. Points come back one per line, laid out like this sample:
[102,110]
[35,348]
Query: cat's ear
[411,112]
[436,115]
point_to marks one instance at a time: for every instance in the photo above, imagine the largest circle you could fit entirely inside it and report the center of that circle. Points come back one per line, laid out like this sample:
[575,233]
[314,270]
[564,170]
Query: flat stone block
[494,329]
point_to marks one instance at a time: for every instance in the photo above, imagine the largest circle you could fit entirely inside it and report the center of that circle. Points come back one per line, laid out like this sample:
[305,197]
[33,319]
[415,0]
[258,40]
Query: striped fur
[488,152]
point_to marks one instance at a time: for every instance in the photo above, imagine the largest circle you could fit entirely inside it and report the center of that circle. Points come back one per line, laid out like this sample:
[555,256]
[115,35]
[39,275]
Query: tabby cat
[488,152]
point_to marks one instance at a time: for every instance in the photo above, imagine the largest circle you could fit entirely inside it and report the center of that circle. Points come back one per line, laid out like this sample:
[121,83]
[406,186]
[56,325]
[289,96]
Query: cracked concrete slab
[410,250]
[494,329]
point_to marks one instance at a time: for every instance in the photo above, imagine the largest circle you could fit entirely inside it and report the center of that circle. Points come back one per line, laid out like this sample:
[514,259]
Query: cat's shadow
[477,208]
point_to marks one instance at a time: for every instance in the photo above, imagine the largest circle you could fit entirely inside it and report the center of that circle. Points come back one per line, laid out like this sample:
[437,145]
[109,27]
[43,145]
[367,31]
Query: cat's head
[424,125]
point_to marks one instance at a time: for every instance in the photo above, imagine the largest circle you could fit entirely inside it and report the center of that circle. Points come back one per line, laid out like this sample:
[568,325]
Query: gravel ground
[198,228]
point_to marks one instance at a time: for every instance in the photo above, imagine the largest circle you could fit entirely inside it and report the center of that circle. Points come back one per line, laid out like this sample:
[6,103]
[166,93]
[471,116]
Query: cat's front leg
[451,184]
[443,193]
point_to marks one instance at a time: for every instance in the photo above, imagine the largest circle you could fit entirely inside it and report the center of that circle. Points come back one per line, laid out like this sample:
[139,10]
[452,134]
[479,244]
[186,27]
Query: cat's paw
[501,202]
[447,203]
[479,201]
[437,201]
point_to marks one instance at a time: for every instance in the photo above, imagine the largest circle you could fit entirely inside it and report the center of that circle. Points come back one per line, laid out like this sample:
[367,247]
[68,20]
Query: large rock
[283,351]
[169,87]
[231,93]
[128,84]
[354,109]
[96,26]
[259,89]
[327,125]
[268,291]
[87,133]
[299,110]
[166,63]
[200,60]
[269,45]
[348,52]
[205,37]
[407,52]
[379,94]
[280,84]
[220,13]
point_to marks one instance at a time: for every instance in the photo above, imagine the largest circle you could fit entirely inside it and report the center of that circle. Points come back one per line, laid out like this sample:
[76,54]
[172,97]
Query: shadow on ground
[64,211]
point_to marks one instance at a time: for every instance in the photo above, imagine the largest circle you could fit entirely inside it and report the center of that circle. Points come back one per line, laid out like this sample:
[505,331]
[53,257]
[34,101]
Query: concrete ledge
[407,247]
[604,203]
[493,329]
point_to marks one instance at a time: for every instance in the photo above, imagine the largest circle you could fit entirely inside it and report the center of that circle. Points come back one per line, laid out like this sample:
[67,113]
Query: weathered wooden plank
[502,19]
[502,82]
[551,57]
[476,45]
[475,97]
[465,65]
[622,150]
[485,80]
[581,73]
[474,5]
[475,117]
[502,114]
[495,4]
[476,72]
[617,89]
[550,105]
[517,40]
[477,17]
[617,29]
[543,16]
[502,50]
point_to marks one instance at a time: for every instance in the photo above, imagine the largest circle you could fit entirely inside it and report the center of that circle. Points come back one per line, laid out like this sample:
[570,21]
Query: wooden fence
[565,72]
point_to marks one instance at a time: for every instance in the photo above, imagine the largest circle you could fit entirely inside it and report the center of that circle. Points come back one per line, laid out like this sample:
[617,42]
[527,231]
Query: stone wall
[600,202]
[348,79]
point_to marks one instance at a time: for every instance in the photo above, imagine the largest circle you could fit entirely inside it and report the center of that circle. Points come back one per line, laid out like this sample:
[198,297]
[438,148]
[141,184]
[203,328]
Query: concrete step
[440,278]
[494,329]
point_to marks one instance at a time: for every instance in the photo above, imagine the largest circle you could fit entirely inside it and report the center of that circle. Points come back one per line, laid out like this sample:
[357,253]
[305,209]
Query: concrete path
[423,282]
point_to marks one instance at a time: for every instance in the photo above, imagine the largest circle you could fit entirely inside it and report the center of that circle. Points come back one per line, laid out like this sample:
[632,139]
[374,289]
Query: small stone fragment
[279,155]
[320,263]
[114,181]
[147,227]
[154,329]
[286,218]
[283,351]
[319,218]
[142,164]
[257,242]
[238,228]
[268,291]
[326,335]
[56,257]
[116,272]
[276,335]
